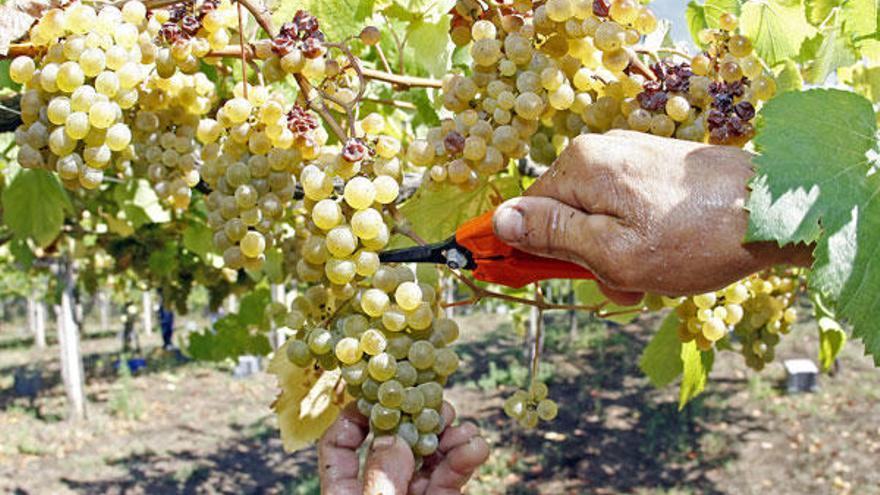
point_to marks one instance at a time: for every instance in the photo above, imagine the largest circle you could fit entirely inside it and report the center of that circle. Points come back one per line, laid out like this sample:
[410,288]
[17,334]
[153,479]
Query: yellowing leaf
[308,403]
[831,341]
[696,367]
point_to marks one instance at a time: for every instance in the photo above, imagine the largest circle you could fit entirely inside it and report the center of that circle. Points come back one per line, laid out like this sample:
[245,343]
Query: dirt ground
[192,428]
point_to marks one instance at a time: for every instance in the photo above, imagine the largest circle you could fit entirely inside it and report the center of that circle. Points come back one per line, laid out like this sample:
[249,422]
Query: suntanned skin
[645,214]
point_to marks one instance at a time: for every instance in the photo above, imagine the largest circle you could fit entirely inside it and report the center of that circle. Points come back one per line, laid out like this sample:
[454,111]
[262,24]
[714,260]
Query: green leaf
[425,9]
[22,253]
[427,273]
[788,76]
[824,53]
[273,268]
[813,185]
[777,28]
[861,17]
[587,293]
[6,81]
[164,261]
[714,9]
[832,338]
[818,10]
[864,80]
[198,238]
[253,306]
[695,16]
[435,213]
[34,205]
[430,44]
[661,360]
[696,366]
[338,19]
[139,203]
[228,339]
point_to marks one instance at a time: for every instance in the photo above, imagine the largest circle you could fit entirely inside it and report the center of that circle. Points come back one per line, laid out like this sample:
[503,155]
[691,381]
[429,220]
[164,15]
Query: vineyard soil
[199,431]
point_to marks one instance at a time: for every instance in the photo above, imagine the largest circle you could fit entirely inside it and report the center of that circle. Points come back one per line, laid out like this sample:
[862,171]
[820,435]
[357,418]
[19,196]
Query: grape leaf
[426,9]
[435,213]
[832,338]
[34,205]
[22,252]
[164,261]
[227,339]
[661,359]
[864,80]
[431,50]
[695,17]
[716,8]
[338,19]
[788,76]
[696,366]
[777,28]
[198,238]
[140,204]
[829,49]
[814,184]
[588,293]
[860,16]
[306,406]
[818,10]
[251,311]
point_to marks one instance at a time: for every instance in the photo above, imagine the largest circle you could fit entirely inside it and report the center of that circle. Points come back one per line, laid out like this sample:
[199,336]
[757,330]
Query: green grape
[102,114]
[433,394]
[340,272]
[370,389]
[253,244]
[354,325]
[514,406]
[421,317]
[426,445]
[348,350]
[547,409]
[408,432]
[326,214]
[365,407]
[374,302]
[406,374]
[382,366]
[366,223]
[366,262]
[22,69]
[359,193]
[356,373]
[118,137]
[398,346]
[372,342]
[341,242]
[320,341]
[298,353]
[421,354]
[408,296]
[412,401]
[384,418]
[427,420]
[678,108]
[391,394]
[445,362]
[387,189]
[538,391]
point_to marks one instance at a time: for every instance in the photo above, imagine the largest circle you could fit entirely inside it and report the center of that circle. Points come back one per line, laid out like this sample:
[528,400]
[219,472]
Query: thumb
[389,466]
[546,227]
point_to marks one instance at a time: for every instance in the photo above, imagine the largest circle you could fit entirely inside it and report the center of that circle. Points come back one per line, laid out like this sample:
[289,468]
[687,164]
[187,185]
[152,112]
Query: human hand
[389,468]
[645,214]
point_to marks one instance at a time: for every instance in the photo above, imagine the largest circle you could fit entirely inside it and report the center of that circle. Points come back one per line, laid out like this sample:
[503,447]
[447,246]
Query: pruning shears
[475,247]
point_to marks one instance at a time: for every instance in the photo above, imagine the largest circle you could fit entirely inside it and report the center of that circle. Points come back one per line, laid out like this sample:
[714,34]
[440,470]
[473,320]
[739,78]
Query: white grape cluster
[165,127]
[251,158]
[756,310]
[77,92]
[189,33]
[376,322]
[558,65]
[528,407]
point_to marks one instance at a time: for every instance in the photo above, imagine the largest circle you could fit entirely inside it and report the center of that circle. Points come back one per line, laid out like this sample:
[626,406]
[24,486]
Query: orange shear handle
[500,263]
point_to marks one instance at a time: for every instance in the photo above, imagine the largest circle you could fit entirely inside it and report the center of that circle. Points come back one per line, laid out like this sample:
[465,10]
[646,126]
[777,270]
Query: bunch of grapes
[252,152]
[297,49]
[756,310]
[527,407]
[559,65]
[165,125]
[188,32]
[376,322]
[77,92]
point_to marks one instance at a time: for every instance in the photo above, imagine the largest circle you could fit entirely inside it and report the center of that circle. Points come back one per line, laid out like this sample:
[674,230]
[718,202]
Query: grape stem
[319,107]
[244,81]
[671,51]
[383,58]
[639,67]
[405,105]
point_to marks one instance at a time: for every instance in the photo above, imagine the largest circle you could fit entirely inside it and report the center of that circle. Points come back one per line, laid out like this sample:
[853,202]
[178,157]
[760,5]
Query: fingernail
[383,442]
[509,223]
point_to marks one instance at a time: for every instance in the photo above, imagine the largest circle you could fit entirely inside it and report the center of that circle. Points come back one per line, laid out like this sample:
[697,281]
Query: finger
[458,466]
[620,297]
[447,412]
[447,415]
[457,435]
[389,466]
[337,453]
[547,227]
